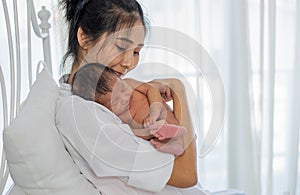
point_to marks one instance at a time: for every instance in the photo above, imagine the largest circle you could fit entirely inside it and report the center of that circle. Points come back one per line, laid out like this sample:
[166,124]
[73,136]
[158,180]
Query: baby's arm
[127,119]
[137,129]
[157,109]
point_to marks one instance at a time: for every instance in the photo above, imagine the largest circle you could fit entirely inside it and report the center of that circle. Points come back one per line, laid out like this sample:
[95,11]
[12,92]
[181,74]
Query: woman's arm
[184,172]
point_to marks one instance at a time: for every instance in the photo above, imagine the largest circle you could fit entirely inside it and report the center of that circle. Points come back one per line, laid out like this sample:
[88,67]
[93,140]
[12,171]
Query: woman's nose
[128,59]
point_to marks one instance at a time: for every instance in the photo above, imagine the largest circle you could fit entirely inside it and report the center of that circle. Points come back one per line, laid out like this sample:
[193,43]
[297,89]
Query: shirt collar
[64,86]
[65,90]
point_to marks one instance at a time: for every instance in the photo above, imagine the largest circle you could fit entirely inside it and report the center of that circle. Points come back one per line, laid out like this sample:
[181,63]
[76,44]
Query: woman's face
[119,51]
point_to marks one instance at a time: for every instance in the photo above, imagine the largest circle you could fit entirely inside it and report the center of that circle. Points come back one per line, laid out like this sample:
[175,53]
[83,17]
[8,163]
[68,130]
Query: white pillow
[37,159]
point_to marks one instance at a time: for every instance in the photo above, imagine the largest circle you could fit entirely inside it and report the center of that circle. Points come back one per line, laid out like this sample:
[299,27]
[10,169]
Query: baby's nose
[125,100]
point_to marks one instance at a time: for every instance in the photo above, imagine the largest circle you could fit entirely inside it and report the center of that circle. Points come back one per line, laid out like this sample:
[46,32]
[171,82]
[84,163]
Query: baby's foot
[173,147]
[167,131]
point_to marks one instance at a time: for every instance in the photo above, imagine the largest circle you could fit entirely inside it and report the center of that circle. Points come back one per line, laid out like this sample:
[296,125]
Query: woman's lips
[119,74]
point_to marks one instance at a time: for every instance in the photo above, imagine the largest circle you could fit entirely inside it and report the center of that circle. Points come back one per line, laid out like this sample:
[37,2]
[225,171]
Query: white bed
[52,171]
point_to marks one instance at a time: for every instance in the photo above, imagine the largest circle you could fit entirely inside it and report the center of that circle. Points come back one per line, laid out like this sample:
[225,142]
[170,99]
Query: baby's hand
[148,121]
[157,112]
[164,90]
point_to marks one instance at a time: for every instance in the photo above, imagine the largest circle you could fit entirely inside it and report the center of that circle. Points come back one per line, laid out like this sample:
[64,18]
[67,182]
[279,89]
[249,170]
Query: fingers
[157,111]
[167,94]
[165,91]
[146,122]
[149,121]
[156,125]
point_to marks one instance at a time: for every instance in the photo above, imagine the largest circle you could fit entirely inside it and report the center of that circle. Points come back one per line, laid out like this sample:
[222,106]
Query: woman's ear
[82,38]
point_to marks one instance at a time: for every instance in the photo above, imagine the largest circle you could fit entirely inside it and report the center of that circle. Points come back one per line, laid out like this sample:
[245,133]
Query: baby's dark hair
[97,17]
[91,80]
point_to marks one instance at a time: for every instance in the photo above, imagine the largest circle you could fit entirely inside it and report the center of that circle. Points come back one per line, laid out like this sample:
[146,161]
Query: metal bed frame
[10,107]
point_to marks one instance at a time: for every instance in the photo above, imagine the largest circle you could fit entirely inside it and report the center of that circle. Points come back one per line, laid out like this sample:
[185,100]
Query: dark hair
[96,17]
[91,80]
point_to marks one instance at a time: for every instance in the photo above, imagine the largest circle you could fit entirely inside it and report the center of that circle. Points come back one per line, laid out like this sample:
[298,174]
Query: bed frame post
[44,16]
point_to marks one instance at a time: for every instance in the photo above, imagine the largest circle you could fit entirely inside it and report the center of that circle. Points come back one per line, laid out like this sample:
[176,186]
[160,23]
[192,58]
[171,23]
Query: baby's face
[118,100]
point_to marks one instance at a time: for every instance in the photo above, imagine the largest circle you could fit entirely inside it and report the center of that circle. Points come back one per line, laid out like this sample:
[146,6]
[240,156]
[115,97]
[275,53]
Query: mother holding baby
[109,155]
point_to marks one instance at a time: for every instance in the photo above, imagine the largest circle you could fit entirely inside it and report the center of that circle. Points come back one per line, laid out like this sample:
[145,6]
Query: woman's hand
[165,90]
[184,172]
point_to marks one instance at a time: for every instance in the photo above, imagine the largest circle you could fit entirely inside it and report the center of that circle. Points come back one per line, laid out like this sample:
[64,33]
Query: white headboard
[19,51]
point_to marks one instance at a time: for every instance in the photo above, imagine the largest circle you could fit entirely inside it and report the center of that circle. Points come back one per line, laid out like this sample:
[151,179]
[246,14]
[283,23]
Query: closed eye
[114,102]
[120,48]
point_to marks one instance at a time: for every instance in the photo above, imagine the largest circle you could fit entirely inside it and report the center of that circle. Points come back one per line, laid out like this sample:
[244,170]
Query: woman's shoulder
[75,106]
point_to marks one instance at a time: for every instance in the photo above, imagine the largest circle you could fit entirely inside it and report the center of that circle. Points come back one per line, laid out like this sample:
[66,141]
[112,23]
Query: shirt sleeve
[110,148]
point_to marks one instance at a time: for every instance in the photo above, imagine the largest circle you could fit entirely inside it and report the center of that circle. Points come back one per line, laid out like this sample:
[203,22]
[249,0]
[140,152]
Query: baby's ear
[98,98]
[83,39]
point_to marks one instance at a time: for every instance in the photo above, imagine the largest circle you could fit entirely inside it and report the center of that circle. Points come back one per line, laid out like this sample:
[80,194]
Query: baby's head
[96,82]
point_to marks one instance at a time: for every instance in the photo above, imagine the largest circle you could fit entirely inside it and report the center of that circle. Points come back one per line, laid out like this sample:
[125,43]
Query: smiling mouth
[118,74]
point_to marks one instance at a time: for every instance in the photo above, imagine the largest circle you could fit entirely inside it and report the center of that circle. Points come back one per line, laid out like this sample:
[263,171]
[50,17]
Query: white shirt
[107,152]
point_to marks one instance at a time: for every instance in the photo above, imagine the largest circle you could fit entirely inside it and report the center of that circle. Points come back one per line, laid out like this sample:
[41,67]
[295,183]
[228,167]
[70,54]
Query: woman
[112,32]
